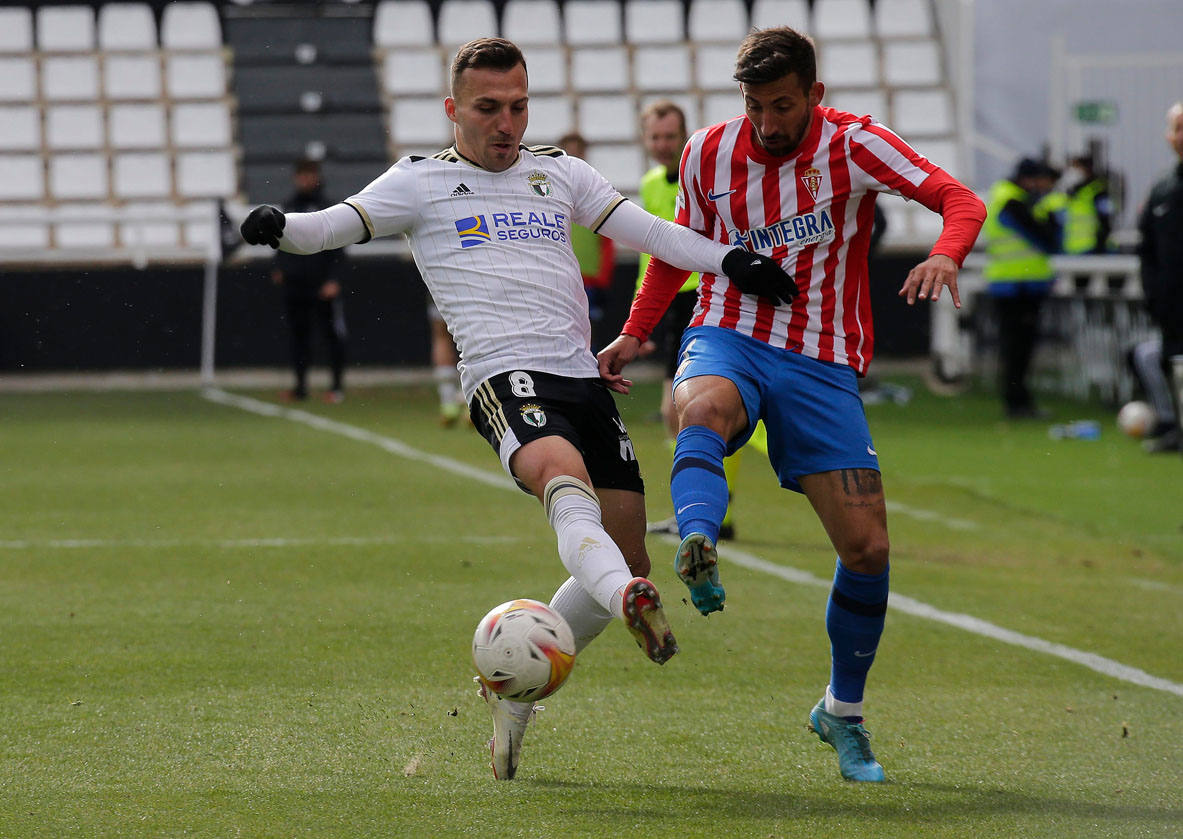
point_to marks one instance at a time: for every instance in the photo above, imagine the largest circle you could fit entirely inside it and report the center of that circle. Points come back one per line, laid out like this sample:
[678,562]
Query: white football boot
[509,727]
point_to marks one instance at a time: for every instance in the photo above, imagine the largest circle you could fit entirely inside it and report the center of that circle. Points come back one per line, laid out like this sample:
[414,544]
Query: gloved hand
[754,273]
[264,226]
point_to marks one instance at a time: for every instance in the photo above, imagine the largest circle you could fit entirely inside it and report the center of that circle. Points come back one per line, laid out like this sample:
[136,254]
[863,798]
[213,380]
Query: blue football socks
[854,620]
[698,485]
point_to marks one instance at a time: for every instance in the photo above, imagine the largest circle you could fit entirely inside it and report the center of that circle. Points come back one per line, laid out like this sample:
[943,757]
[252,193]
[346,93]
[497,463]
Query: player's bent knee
[870,557]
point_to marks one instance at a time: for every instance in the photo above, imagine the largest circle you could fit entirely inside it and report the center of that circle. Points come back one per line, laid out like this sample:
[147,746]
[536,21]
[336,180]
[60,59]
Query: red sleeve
[657,291]
[962,211]
[607,265]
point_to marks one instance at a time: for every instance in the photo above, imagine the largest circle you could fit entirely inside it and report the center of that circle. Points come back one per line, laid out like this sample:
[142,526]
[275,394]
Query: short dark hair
[663,108]
[486,53]
[306,165]
[767,55]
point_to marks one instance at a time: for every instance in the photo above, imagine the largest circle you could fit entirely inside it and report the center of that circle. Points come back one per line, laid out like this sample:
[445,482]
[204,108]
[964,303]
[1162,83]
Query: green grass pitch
[216,623]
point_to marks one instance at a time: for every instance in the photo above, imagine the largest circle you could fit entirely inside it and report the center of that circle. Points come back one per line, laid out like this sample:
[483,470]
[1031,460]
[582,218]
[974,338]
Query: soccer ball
[523,650]
[1136,419]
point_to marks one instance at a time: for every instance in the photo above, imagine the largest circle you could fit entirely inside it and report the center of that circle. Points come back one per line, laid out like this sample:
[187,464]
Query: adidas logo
[462,190]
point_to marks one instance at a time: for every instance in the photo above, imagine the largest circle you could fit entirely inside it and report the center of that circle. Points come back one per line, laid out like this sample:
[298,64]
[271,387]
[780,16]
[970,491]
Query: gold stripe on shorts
[491,409]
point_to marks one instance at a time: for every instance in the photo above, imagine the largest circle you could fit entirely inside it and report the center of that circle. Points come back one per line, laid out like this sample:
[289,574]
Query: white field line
[260,542]
[898,602]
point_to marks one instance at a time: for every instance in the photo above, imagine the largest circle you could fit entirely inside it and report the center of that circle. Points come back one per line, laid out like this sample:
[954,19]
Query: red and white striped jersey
[811,211]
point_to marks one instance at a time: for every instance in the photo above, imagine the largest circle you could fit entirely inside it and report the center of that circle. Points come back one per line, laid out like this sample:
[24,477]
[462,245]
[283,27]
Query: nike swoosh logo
[681,510]
[857,654]
[872,452]
[715,196]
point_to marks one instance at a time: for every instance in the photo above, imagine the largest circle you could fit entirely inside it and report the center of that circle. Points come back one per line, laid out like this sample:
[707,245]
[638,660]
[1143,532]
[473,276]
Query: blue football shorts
[811,408]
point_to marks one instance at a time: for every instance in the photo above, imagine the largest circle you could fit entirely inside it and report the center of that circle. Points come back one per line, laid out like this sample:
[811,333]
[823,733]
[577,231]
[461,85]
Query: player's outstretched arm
[926,280]
[614,358]
[304,233]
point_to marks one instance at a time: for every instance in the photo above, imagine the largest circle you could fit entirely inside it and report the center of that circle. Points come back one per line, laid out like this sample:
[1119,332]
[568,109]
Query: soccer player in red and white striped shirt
[795,181]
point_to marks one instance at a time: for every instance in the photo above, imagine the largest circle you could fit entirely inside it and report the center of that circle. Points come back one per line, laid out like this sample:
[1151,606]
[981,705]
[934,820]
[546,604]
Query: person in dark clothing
[312,292]
[1161,251]
[1021,231]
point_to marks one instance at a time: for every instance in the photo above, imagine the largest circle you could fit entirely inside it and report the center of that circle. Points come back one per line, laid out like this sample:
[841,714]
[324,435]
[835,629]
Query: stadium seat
[720,107]
[127,26]
[922,112]
[141,175]
[290,89]
[195,76]
[144,229]
[717,20]
[420,120]
[653,21]
[74,127]
[16,30]
[794,13]
[136,126]
[903,18]
[871,101]
[911,62]
[460,21]
[22,128]
[841,19]
[90,226]
[65,78]
[848,64]
[131,77]
[548,70]
[943,151]
[18,230]
[550,118]
[286,137]
[18,79]
[206,174]
[403,23]
[22,177]
[411,71]
[65,29]
[78,176]
[664,67]
[531,23]
[687,101]
[714,65]
[190,26]
[201,125]
[599,69]
[607,118]
[592,22]
[621,164]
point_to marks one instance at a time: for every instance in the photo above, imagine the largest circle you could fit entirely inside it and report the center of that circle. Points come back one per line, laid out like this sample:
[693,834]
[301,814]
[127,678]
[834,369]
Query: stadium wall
[119,318]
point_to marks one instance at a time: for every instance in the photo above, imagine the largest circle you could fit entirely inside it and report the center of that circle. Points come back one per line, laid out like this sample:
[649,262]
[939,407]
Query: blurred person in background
[1088,207]
[663,135]
[1021,231]
[312,292]
[595,253]
[1161,250]
[444,372]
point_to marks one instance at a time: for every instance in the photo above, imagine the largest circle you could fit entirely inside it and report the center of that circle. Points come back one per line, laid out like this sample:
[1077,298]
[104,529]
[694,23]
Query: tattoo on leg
[857,482]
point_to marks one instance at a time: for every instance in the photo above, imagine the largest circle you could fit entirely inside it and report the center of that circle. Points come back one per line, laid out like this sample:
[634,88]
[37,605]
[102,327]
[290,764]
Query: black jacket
[304,275]
[1161,250]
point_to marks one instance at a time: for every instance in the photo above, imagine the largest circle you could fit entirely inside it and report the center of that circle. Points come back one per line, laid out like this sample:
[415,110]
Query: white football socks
[839,708]
[587,551]
[447,384]
[585,616]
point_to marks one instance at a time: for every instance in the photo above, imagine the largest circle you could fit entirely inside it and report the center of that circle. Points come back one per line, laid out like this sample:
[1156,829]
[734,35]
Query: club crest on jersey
[538,182]
[812,178]
[533,415]
[473,230]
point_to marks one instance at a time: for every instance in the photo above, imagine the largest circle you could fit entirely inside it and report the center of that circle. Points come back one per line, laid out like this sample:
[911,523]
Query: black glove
[263,226]
[754,273]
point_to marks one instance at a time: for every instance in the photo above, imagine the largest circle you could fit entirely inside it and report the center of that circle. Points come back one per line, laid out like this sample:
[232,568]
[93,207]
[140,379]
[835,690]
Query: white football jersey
[495,251]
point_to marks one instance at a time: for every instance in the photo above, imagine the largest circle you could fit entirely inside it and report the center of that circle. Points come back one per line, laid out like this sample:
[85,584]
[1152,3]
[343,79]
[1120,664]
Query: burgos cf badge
[533,415]
[473,230]
[538,182]
[812,180]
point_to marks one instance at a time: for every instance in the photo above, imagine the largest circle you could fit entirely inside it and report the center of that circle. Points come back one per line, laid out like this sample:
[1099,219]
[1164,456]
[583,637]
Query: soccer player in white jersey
[489,225]
[795,181]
